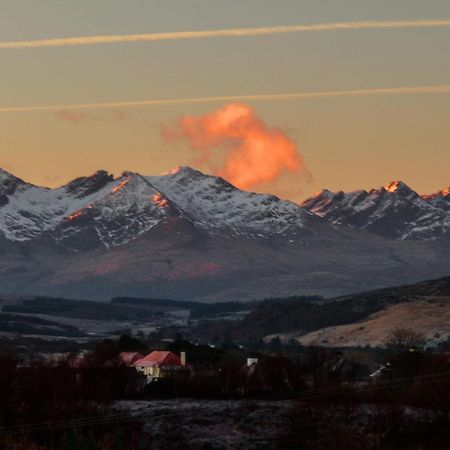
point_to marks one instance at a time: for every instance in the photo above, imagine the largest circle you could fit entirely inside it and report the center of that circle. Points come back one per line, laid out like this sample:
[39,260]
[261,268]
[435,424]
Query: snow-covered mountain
[441,199]
[130,207]
[193,236]
[101,209]
[26,210]
[215,204]
[394,211]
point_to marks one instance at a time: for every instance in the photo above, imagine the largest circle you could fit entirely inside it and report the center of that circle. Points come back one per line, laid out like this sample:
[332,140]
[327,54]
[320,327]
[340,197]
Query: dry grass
[430,317]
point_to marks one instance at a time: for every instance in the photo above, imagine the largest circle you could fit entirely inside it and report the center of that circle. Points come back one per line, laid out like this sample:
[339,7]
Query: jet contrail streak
[440,89]
[236,32]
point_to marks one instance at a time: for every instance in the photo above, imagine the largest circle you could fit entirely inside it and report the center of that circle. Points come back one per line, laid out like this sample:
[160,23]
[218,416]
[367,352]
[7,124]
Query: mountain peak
[398,187]
[181,169]
[394,186]
[318,198]
[439,199]
[83,186]
[325,193]
[5,175]
[187,171]
[8,185]
[175,170]
[439,194]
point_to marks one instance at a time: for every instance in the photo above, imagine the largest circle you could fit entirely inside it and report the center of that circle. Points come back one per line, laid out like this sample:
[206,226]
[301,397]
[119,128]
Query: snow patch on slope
[394,211]
[32,210]
[214,203]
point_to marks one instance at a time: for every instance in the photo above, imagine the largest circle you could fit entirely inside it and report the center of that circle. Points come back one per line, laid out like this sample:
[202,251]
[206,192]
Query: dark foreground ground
[210,424]
[285,424]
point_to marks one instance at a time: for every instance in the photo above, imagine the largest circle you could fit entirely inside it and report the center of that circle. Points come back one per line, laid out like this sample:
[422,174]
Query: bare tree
[402,339]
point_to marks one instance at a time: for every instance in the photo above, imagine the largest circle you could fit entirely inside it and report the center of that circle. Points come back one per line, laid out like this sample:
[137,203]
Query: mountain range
[188,235]
[395,211]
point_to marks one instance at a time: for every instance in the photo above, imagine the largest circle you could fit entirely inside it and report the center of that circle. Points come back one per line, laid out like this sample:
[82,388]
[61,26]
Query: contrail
[440,89]
[236,32]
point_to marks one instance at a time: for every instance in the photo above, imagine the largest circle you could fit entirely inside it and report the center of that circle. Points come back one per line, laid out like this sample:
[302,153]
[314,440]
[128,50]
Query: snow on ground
[211,424]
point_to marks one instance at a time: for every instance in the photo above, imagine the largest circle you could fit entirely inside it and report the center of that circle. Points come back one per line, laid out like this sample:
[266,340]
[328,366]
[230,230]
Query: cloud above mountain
[237,145]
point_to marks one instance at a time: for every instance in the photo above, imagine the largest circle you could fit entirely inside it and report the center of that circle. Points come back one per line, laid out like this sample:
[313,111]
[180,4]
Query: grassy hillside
[306,316]
[429,317]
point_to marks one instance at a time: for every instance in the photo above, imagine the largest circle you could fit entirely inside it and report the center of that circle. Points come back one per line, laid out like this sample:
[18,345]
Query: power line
[314,394]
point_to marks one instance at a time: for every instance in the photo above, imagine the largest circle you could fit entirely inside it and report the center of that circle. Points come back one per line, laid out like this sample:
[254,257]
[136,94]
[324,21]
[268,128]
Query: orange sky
[346,143]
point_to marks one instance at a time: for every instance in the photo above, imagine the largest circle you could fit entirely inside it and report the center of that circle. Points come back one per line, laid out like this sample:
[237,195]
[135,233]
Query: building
[129,358]
[161,364]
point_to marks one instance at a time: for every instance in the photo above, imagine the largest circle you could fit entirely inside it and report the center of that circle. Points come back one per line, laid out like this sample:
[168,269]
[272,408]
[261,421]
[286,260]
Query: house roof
[159,358]
[129,358]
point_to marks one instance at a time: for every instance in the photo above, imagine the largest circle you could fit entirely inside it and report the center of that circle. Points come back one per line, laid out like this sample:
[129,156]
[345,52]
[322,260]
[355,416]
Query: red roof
[159,358]
[128,358]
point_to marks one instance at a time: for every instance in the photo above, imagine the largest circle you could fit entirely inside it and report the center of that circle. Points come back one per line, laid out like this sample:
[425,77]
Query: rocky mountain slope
[187,235]
[26,211]
[394,211]
[113,212]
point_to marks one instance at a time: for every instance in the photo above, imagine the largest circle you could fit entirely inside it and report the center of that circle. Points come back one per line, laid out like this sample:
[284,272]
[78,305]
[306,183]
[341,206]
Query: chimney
[251,361]
[183,358]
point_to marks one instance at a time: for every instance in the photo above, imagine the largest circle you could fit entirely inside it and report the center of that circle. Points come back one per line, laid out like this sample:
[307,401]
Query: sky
[345,143]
